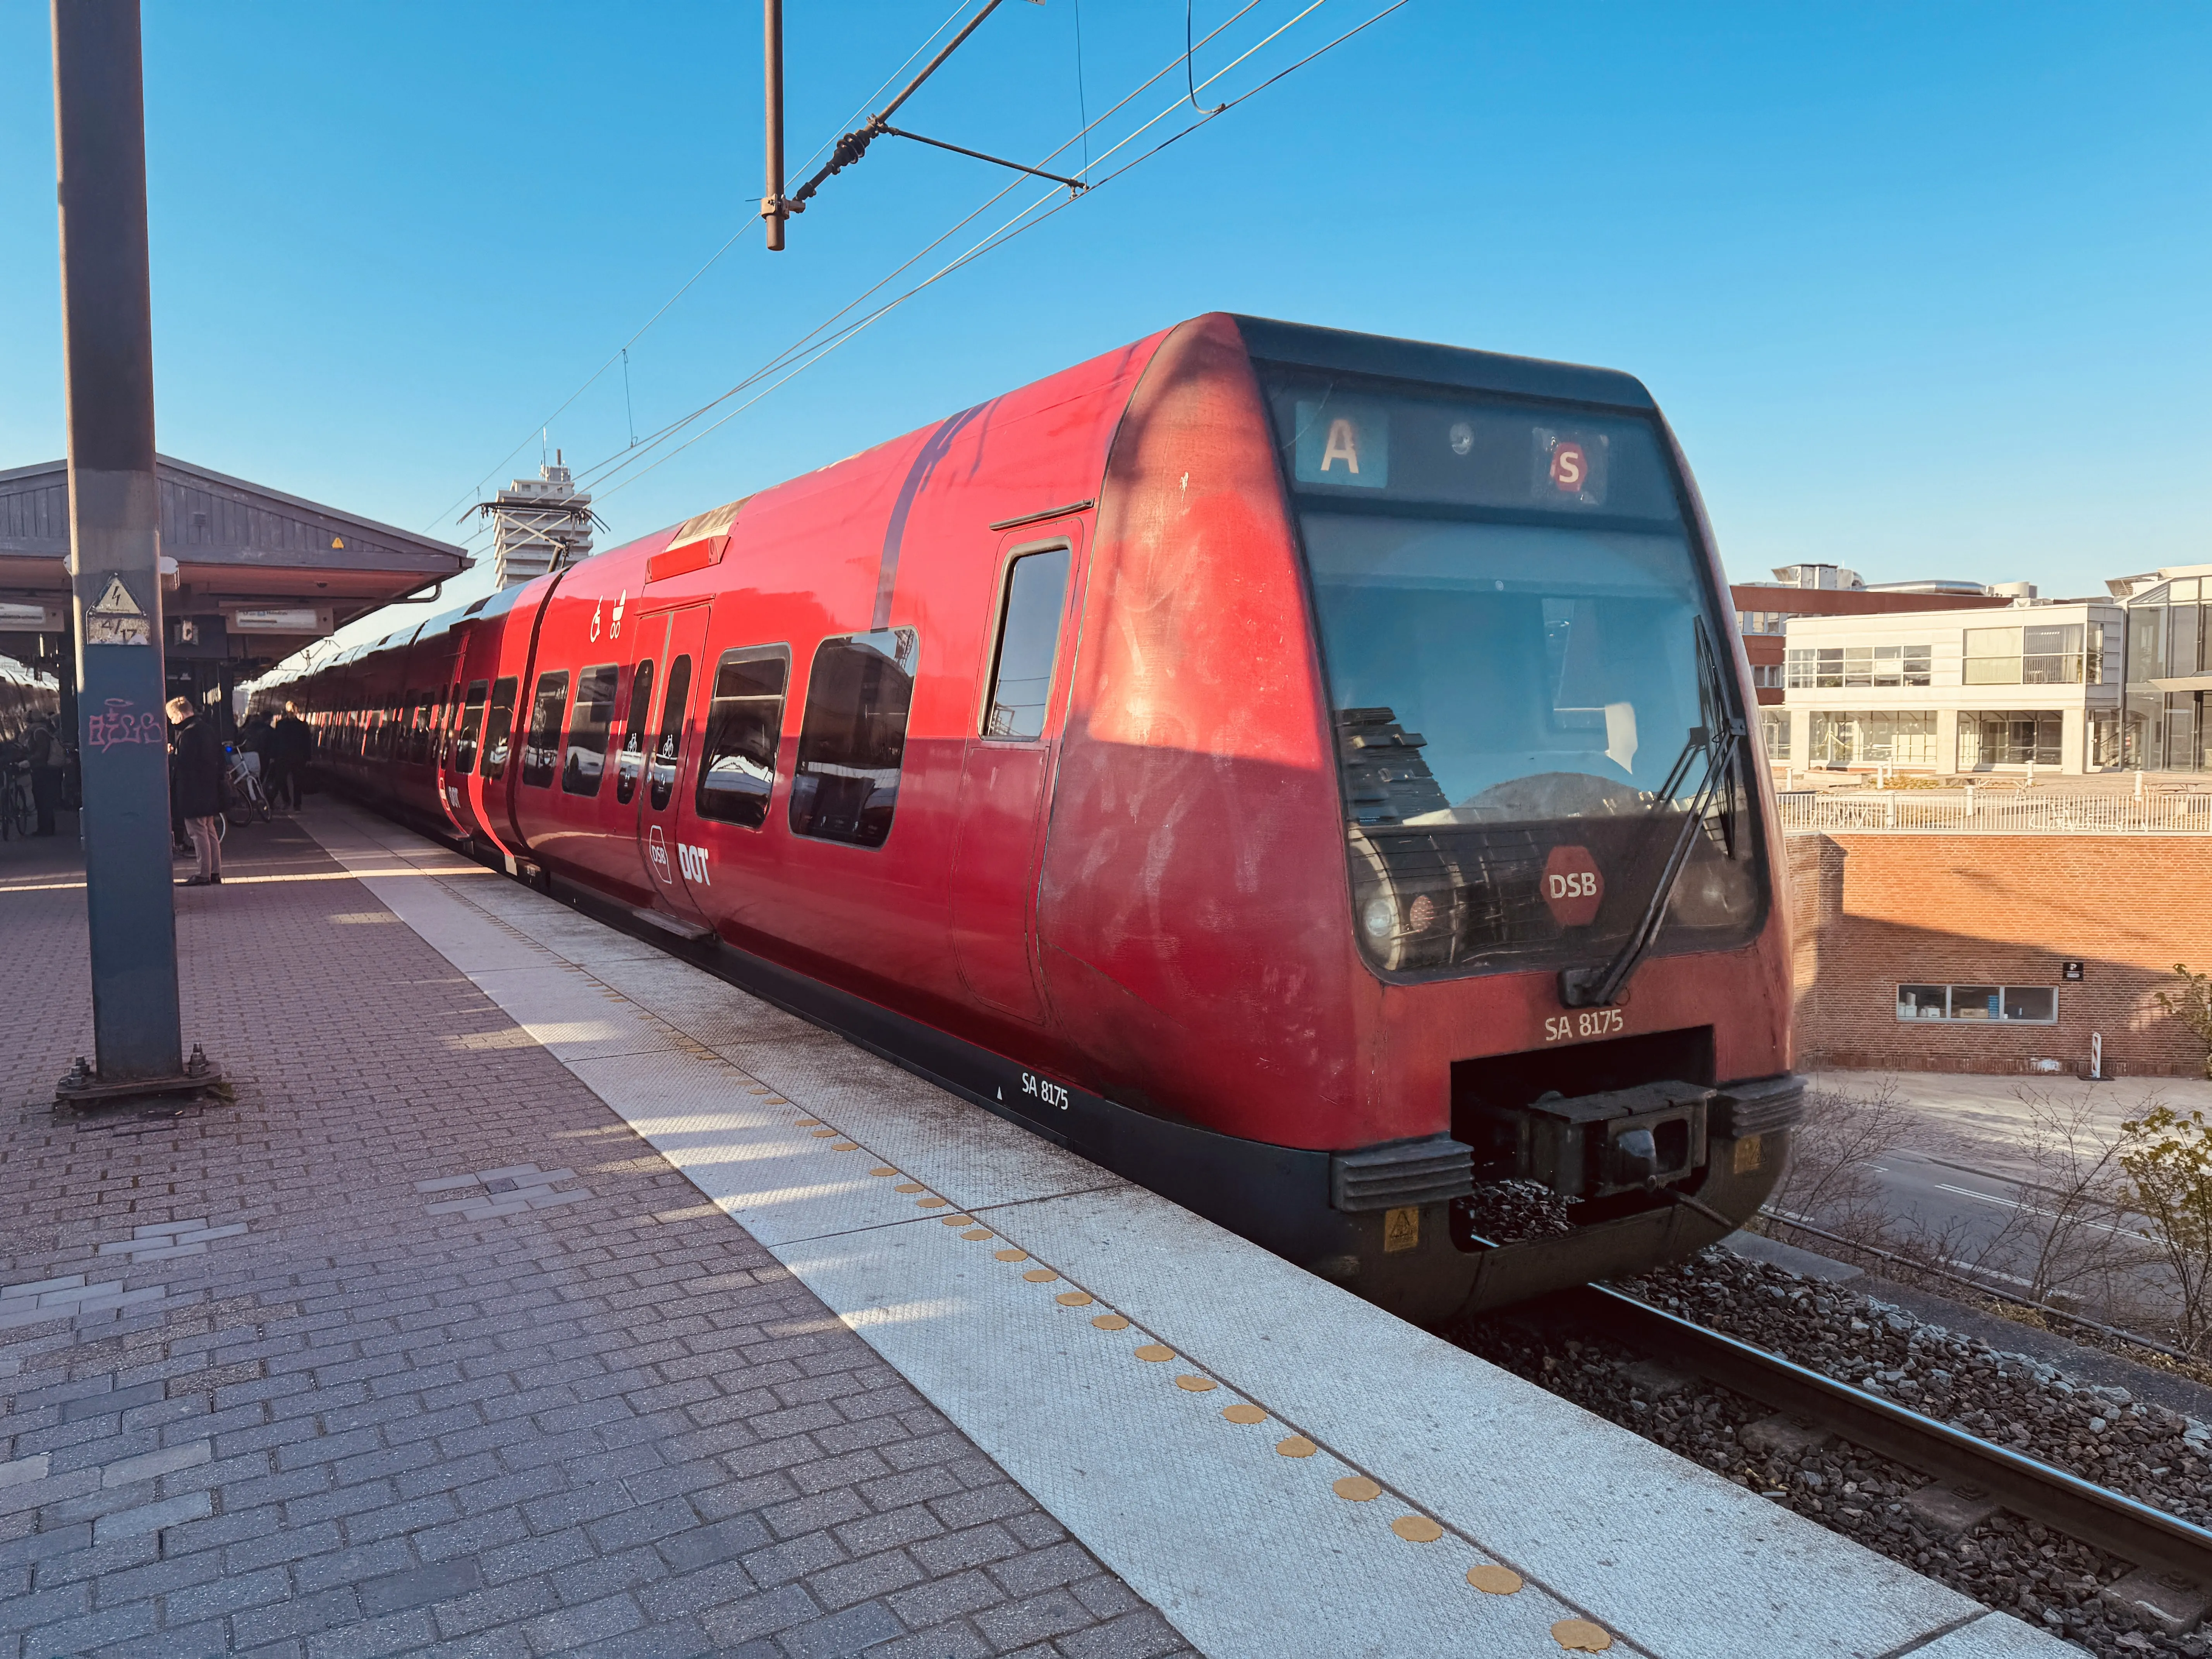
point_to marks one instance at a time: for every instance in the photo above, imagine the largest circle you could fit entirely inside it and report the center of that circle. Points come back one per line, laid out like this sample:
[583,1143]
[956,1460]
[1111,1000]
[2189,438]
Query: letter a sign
[1345,442]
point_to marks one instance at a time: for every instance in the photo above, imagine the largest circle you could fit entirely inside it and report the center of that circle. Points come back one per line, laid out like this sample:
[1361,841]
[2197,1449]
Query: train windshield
[1511,610]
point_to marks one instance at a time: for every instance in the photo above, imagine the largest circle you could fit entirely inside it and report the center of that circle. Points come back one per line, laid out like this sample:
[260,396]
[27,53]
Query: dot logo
[1571,467]
[1573,886]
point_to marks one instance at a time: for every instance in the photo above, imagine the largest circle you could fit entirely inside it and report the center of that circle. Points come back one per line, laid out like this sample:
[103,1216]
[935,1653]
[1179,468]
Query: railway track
[2035,1491]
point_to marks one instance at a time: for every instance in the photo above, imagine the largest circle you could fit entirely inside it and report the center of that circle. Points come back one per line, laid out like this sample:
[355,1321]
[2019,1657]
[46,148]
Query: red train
[1302,771]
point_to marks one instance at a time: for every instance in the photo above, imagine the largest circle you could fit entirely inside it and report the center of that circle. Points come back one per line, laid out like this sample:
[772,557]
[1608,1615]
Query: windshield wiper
[1718,739]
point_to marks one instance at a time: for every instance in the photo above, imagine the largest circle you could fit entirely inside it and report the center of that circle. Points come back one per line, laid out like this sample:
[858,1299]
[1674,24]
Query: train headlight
[1379,918]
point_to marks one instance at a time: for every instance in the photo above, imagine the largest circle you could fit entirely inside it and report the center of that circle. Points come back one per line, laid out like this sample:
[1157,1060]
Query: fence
[1971,812]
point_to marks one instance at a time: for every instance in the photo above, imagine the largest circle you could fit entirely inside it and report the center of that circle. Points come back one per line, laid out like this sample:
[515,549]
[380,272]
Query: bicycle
[249,801]
[18,812]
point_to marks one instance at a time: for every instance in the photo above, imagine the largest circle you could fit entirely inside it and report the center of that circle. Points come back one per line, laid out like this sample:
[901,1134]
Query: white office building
[2039,682]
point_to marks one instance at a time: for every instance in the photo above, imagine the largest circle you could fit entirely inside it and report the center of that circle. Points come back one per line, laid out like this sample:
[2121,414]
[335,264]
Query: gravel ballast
[2102,1434]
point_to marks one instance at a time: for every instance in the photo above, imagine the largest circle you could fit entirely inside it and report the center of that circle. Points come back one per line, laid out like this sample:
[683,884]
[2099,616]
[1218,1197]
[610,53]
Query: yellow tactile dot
[1154,1352]
[909,1187]
[958,1220]
[808,1122]
[883,1169]
[1297,1446]
[844,1146]
[1417,1530]
[1243,1411]
[1040,1275]
[824,1135]
[1494,1580]
[1356,1489]
[1011,1255]
[1073,1298]
[777,1100]
[1111,1323]
[1580,1636]
[932,1202]
[1196,1384]
[978,1233]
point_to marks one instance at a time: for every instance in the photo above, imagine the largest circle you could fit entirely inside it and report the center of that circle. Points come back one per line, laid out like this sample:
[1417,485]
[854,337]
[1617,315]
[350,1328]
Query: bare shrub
[1833,1177]
[2192,1005]
[2168,1160]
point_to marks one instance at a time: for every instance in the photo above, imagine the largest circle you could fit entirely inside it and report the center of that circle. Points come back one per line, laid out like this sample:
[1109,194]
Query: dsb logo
[1572,885]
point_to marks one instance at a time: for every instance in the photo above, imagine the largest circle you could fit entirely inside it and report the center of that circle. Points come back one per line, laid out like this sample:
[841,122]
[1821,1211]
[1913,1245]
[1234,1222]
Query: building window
[745,721]
[1879,737]
[1774,732]
[2061,654]
[1763,622]
[852,741]
[2010,738]
[1766,675]
[2011,1004]
[1818,668]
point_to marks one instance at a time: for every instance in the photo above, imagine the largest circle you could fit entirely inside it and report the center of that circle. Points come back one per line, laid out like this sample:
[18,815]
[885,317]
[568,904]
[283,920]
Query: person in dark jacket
[291,746]
[197,781]
[47,759]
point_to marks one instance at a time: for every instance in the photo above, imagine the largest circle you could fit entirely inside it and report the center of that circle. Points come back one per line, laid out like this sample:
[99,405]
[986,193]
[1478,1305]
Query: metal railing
[1995,812]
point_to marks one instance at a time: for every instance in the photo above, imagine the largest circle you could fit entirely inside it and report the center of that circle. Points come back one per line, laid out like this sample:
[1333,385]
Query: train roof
[1303,346]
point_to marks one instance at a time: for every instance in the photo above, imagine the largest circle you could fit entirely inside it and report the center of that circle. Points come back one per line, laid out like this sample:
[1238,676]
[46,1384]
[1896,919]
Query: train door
[675,860]
[1005,778]
[463,715]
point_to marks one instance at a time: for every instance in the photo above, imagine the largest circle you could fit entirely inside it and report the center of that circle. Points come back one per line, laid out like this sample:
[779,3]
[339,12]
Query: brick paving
[415,1346]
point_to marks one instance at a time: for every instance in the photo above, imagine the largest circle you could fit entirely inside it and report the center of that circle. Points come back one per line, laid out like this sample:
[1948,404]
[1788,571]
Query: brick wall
[1873,911]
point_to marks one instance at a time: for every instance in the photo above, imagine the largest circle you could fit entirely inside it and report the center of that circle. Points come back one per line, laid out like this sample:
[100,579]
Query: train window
[499,725]
[418,730]
[464,734]
[1029,640]
[589,723]
[852,743]
[541,743]
[737,769]
[668,752]
[631,763]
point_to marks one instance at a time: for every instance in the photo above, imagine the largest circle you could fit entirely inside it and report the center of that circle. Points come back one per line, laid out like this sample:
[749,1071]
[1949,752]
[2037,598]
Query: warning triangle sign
[116,601]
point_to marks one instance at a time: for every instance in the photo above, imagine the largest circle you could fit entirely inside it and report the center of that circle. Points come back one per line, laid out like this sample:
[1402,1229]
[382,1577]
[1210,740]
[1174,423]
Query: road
[1969,1166]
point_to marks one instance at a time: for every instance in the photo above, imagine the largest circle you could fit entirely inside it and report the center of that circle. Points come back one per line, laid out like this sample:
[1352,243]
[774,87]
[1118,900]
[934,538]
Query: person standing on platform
[198,783]
[291,746]
[46,760]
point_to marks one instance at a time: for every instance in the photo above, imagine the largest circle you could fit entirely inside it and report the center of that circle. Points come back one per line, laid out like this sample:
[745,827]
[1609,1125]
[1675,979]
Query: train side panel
[1195,928]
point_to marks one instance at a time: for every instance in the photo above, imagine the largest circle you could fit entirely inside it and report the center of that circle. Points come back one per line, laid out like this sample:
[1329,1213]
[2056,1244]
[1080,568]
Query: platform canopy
[250,574]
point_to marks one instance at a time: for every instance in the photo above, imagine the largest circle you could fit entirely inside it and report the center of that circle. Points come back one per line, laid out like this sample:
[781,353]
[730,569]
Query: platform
[481,1369]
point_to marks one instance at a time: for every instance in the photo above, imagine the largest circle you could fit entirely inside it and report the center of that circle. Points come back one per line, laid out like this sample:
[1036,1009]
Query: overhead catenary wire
[802,357]
[622,352]
[607,467]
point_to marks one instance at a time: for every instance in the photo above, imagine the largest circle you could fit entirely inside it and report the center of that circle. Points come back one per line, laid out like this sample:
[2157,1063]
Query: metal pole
[772,204]
[107,348]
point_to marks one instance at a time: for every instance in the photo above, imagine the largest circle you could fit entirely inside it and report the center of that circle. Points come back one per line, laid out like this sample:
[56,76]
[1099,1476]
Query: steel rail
[2107,1520]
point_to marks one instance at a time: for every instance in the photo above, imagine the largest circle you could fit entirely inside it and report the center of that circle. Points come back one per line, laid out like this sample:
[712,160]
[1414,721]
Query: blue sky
[1921,287]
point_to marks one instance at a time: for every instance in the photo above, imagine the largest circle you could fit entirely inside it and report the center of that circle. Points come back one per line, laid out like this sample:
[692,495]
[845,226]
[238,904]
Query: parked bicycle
[248,802]
[18,812]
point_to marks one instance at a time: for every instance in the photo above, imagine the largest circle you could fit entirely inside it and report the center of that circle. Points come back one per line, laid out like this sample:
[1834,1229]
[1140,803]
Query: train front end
[1481,950]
